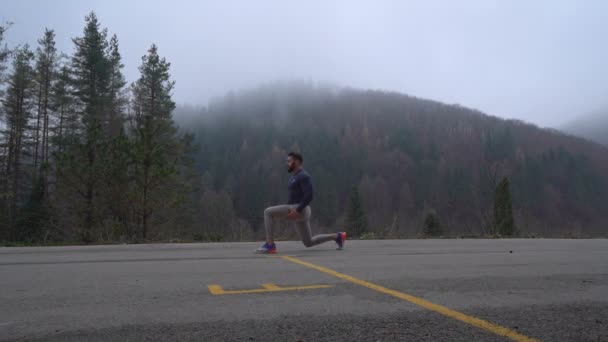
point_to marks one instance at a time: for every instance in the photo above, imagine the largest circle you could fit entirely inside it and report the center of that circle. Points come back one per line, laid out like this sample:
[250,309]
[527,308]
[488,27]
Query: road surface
[385,290]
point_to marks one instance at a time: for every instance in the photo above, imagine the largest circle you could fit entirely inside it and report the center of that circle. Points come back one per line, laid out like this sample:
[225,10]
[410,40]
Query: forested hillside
[409,159]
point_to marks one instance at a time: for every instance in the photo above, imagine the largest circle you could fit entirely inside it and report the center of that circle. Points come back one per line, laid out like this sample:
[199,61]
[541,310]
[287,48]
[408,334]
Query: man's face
[292,164]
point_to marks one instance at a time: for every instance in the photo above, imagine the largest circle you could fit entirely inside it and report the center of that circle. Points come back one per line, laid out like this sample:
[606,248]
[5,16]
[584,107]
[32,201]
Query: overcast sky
[545,62]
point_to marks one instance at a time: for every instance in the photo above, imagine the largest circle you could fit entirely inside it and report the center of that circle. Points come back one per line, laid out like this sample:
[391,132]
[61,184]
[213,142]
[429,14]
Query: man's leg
[270,216]
[303,225]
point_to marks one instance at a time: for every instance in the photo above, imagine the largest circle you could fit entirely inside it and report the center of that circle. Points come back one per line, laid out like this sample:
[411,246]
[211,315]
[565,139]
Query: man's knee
[270,211]
[274,211]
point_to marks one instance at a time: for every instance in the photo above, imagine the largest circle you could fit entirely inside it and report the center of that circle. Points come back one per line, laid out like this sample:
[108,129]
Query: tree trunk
[15,169]
[37,140]
[88,227]
[145,203]
[60,134]
[45,137]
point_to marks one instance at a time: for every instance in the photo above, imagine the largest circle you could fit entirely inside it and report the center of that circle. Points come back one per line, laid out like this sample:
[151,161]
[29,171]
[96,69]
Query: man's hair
[297,156]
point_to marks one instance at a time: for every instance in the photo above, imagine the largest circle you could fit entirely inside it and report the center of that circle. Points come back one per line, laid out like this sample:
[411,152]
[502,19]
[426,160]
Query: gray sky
[545,62]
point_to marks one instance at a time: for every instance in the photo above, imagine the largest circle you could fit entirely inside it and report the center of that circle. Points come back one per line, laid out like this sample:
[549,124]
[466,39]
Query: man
[297,209]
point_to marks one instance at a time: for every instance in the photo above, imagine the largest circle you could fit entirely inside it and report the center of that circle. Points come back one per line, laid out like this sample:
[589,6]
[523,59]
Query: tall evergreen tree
[356,220]
[91,72]
[4,54]
[432,224]
[503,209]
[91,75]
[46,64]
[34,213]
[156,143]
[117,157]
[17,105]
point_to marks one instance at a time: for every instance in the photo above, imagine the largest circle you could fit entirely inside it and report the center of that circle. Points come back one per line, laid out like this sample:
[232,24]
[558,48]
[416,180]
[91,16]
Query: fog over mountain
[593,126]
[543,62]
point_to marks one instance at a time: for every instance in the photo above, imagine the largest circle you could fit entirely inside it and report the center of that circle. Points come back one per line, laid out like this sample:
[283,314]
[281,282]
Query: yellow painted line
[218,290]
[480,323]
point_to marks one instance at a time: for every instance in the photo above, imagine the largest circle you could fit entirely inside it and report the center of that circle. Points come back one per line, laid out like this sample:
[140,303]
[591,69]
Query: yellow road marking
[480,323]
[218,290]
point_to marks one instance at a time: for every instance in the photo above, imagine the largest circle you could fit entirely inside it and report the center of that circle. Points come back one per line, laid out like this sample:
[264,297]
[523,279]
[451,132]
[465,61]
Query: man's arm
[307,190]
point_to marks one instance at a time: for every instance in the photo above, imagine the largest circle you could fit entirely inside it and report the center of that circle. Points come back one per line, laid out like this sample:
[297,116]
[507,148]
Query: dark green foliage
[115,193]
[92,72]
[156,145]
[405,140]
[117,99]
[356,221]
[499,144]
[208,237]
[17,105]
[432,224]
[67,146]
[33,223]
[503,209]
[91,75]
[458,184]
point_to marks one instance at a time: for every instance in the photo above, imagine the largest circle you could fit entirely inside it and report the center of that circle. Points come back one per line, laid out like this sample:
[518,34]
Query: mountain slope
[406,155]
[593,127]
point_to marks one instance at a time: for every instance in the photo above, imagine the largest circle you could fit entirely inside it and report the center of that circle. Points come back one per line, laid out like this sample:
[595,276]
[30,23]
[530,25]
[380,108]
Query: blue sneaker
[267,249]
[340,240]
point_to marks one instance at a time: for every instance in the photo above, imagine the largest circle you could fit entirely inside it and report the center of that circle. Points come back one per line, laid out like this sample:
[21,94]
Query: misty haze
[425,171]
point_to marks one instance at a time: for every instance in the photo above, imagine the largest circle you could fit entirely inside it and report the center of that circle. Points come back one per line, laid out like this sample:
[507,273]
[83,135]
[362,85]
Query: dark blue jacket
[300,190]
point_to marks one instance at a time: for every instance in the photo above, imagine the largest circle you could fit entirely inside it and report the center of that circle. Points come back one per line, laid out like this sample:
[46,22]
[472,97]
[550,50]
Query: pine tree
[117,158]
[432,224]
[46,64]
[356,221]
[156,144]
[17,105]
[91,72]
[4,54]
[83,162]
[503,209]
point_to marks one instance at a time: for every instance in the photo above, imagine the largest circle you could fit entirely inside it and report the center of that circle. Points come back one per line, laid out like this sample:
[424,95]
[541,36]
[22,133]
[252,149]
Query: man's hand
[292,214]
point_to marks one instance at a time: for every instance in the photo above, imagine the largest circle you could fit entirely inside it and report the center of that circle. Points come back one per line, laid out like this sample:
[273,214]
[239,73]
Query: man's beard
[290,169]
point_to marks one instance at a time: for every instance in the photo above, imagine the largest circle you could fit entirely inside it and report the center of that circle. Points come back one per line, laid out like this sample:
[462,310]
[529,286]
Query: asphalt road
[548,290]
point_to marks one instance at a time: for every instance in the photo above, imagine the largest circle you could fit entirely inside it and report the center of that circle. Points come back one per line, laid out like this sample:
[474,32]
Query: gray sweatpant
[280,212]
